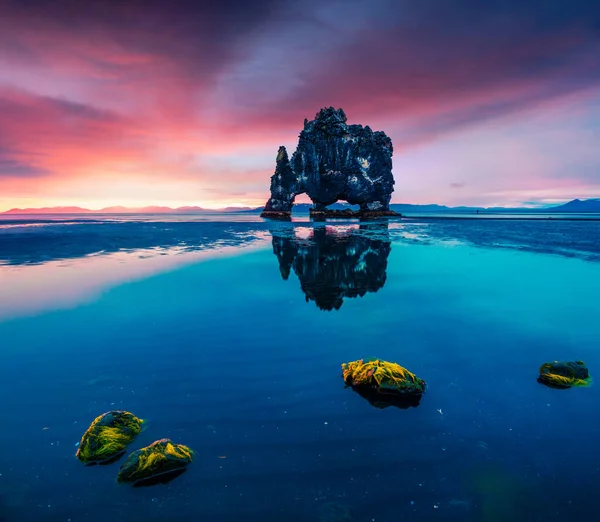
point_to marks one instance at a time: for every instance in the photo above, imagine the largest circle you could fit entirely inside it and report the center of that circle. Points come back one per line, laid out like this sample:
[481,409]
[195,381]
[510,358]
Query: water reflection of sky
[55,263]
[29,289]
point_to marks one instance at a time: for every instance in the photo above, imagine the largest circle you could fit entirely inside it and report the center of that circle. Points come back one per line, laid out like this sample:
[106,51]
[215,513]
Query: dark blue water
[228,337]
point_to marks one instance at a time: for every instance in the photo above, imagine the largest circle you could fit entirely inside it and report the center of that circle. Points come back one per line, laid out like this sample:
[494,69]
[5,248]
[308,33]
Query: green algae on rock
[564,374]
[162,457]
[107,437]
[382,376]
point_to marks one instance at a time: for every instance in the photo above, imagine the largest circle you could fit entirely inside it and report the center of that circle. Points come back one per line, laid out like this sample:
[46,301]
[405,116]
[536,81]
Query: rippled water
[229,336]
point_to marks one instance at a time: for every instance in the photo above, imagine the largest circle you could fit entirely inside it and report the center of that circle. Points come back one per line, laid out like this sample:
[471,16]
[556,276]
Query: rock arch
[334,161]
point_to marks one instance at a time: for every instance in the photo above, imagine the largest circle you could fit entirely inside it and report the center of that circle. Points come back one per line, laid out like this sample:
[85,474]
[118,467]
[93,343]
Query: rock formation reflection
[334,263]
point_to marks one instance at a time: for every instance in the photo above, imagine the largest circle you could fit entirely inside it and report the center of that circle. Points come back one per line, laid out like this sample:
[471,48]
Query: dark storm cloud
[455,62]
[181,30]
[23,111]
[449,62]
[13,168]
[131,42]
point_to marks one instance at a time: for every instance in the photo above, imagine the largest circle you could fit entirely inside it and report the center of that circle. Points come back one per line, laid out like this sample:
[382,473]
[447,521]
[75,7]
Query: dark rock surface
[334,161]
[284,185]
[348,213]
[333,266]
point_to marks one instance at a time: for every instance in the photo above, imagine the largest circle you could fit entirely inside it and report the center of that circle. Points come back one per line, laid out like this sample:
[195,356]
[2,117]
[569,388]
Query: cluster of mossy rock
[107,438]
[385,383]
[381,382]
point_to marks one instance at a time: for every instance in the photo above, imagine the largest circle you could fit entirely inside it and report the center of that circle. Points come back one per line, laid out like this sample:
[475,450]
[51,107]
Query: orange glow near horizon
[10,204]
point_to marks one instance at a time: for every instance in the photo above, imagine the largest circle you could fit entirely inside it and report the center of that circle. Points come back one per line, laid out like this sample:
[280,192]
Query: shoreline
[231,216]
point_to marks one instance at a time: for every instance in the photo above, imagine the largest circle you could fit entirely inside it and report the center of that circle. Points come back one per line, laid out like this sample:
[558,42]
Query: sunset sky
[490,102]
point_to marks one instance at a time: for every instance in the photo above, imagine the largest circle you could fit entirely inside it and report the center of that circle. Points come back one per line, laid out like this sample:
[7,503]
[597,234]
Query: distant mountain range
[123,210]
[578,205]
[575,206]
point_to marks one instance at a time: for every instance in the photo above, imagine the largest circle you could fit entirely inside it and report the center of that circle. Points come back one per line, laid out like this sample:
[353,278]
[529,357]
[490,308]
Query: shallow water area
[227,335]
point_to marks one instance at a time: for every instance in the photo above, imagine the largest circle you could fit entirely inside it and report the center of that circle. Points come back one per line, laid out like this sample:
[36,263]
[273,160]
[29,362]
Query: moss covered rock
[564,374]
[382,376]
[162,457]
[108,436]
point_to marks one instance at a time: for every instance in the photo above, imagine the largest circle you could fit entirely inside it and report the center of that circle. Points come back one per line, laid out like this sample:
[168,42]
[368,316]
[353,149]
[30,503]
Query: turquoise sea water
[228,336]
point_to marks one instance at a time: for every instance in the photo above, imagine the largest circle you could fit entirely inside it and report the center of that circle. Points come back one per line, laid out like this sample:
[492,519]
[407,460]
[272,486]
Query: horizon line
[112,209]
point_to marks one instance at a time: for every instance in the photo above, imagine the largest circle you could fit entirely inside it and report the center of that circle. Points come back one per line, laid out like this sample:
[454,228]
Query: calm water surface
[228,337]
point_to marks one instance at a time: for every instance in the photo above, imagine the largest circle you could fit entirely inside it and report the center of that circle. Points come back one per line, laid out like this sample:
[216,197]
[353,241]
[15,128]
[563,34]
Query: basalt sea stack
[334,161]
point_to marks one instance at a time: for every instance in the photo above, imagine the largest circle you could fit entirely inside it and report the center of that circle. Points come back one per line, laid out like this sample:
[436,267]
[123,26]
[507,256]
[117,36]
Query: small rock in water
[108,436]
[161,460]
[384,383]
[564,374]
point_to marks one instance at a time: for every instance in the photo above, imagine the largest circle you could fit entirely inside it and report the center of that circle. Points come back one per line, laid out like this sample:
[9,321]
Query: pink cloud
[193,102]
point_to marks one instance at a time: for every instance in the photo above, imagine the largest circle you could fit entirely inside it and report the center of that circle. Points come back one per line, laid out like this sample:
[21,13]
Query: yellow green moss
[565,374]
[161,457]
[386,377]
[108,436]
